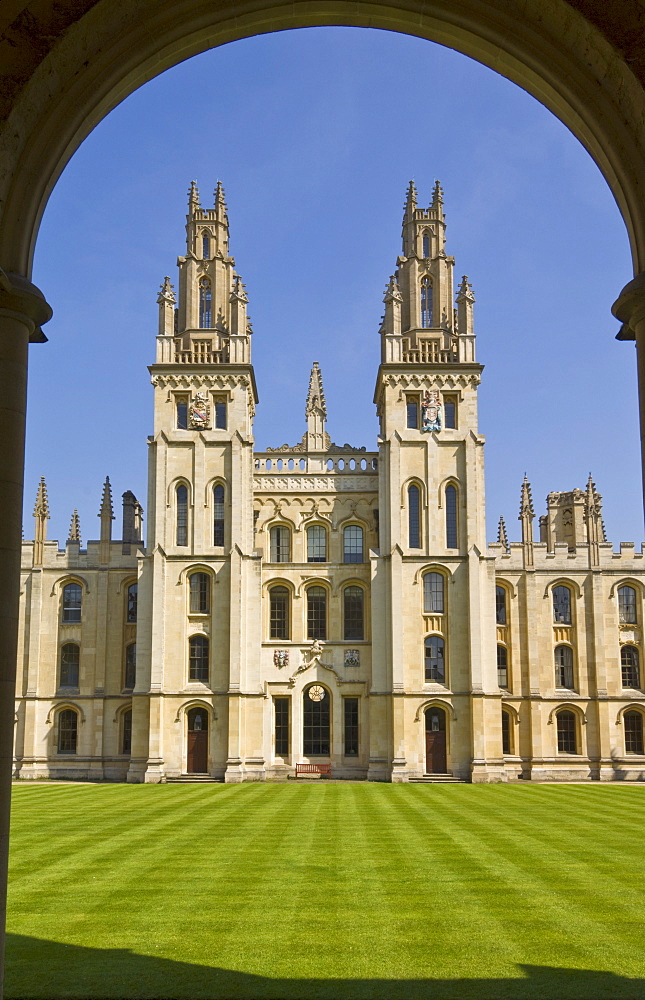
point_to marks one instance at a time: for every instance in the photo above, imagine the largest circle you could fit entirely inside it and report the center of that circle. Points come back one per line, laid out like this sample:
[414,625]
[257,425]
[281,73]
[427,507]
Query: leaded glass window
[316,613]
[69,665]
[426,245]
[126,732]
[351,726]
[67,731]
[562,605]
[451,517]
[563,667]
[220,414]
[281,709]
[279,613]
[181,411]
[218,514]
[133,592]
[72,602]
[182,515]
[433,593]
[507,742]
[204,304]
[414,517]
[198,658]
[412,411]
[633,723]
[206,247]
[200,593]
[627,605]
[629,667]
[566,728]
[130,666]
[316,543]
[500,605]
[426,303]
[353,544]
[353,600]
[316,716]
[280,544]
[450,411]
[502,666]
[434,659]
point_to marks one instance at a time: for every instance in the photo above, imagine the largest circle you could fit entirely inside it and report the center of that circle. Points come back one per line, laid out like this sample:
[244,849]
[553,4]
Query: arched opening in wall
[436,751]
[544,183]
[197,746]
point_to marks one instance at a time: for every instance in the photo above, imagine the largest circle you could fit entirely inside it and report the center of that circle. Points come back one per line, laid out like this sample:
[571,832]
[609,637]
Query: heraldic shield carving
[199,411]
[431,411]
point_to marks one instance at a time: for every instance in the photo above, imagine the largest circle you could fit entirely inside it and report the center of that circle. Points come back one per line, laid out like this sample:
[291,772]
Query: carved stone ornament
[352,658]
[316,692]
[431,411]
[199,412]
[281,657]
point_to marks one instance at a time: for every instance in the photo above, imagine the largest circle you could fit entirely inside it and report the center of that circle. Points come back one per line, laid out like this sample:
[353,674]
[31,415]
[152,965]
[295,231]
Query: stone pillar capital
[629,308]
[22,300]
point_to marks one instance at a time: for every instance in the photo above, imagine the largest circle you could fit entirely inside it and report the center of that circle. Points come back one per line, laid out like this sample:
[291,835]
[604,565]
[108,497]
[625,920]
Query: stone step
[193,779]
[439,779]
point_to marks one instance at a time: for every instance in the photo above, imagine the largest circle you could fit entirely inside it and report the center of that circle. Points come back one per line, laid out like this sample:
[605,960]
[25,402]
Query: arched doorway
[436,751]
[197,745]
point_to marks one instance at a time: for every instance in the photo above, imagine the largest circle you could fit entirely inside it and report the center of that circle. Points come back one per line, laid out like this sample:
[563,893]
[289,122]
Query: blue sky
[315,135]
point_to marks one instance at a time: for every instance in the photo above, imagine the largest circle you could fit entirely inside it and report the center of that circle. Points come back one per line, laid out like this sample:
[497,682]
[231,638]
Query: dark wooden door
[197,756]
[436,762]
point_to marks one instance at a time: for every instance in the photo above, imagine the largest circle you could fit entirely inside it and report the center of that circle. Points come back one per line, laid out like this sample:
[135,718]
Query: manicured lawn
[327,890]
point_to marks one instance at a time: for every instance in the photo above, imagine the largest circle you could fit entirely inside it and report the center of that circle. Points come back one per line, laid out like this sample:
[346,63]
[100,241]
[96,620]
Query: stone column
[629,308]
[22,310]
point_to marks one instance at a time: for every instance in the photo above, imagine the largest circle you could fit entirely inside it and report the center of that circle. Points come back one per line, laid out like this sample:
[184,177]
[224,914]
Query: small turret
[317,438]
[106,513]
[593,520]
[41,515]
[391,329]
[436,206]
[166,301]
[526,517]
[194,204]
[74,528]
[502,537]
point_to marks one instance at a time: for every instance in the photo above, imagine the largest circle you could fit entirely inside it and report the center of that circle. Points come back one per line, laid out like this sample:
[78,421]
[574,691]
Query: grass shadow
[46,970]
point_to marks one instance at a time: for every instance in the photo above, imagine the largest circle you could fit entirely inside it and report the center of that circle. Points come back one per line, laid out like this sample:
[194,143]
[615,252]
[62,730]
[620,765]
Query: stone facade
[323,603]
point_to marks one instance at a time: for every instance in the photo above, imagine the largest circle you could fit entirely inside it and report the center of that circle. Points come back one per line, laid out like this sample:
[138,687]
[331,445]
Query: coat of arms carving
[199,411]
[352,658]
[431,411]
[281,657]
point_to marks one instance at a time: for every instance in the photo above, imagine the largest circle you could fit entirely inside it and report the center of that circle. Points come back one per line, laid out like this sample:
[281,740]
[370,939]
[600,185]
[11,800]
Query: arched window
[199,585]
[567,736]
[316,715]
[72,601]
[426,303]
[198,658]
[316,543]
[500,605]
[130,678]
[182,515]
[627,605]
[133,591]
[69,663]
[633,723]
[433,593]
[562,605]
[507,733]
[316,613]
[204,304]
[629,667]
[451,517]
[279,613]
[206,247]
[218,514]
[126,732]
[426,245]
[414,517]
[563,667]
[280,544]
[67,731]
[353,544]
[434,659]
[353,613]
[502,666]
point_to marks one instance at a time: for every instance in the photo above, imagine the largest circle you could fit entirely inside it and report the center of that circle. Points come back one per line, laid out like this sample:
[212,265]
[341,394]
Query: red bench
[313,769]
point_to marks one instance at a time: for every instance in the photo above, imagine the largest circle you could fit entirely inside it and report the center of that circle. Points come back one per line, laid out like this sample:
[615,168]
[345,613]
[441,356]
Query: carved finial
[411,198]
[502,537]
[220,202]
[166,292]
[41,508]
[392,291]
[106,501]
[75,528]
[437,195]
[526,500]
[465,291]
[193,198]
[316,394]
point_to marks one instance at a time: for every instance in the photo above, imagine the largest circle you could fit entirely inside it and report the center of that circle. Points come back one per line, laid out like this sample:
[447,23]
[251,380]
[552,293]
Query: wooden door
[436,761]
[197,755]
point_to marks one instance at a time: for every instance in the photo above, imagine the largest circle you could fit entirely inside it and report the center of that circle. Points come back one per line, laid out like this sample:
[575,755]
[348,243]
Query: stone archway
[66,63]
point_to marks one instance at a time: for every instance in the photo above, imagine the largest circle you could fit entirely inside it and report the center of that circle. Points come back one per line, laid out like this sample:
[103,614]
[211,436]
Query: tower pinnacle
[220,204]
[317,438]
[75,528]
[193,198]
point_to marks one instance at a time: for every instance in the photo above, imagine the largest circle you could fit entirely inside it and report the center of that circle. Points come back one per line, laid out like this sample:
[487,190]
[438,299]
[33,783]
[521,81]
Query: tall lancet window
[182,515]
[426,245]
[204,304]
[426,303]
[206,247]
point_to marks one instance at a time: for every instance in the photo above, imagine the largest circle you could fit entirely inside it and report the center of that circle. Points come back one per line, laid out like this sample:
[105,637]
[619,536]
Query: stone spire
[410,202]
[74,528]
[593,519]
[41,515]
[194,203]
[220,204]
[526,517]
[317,438]
[106,513]
[502,537]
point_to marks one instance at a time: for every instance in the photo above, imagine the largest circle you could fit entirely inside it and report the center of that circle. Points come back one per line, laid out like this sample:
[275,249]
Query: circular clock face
[316,692]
